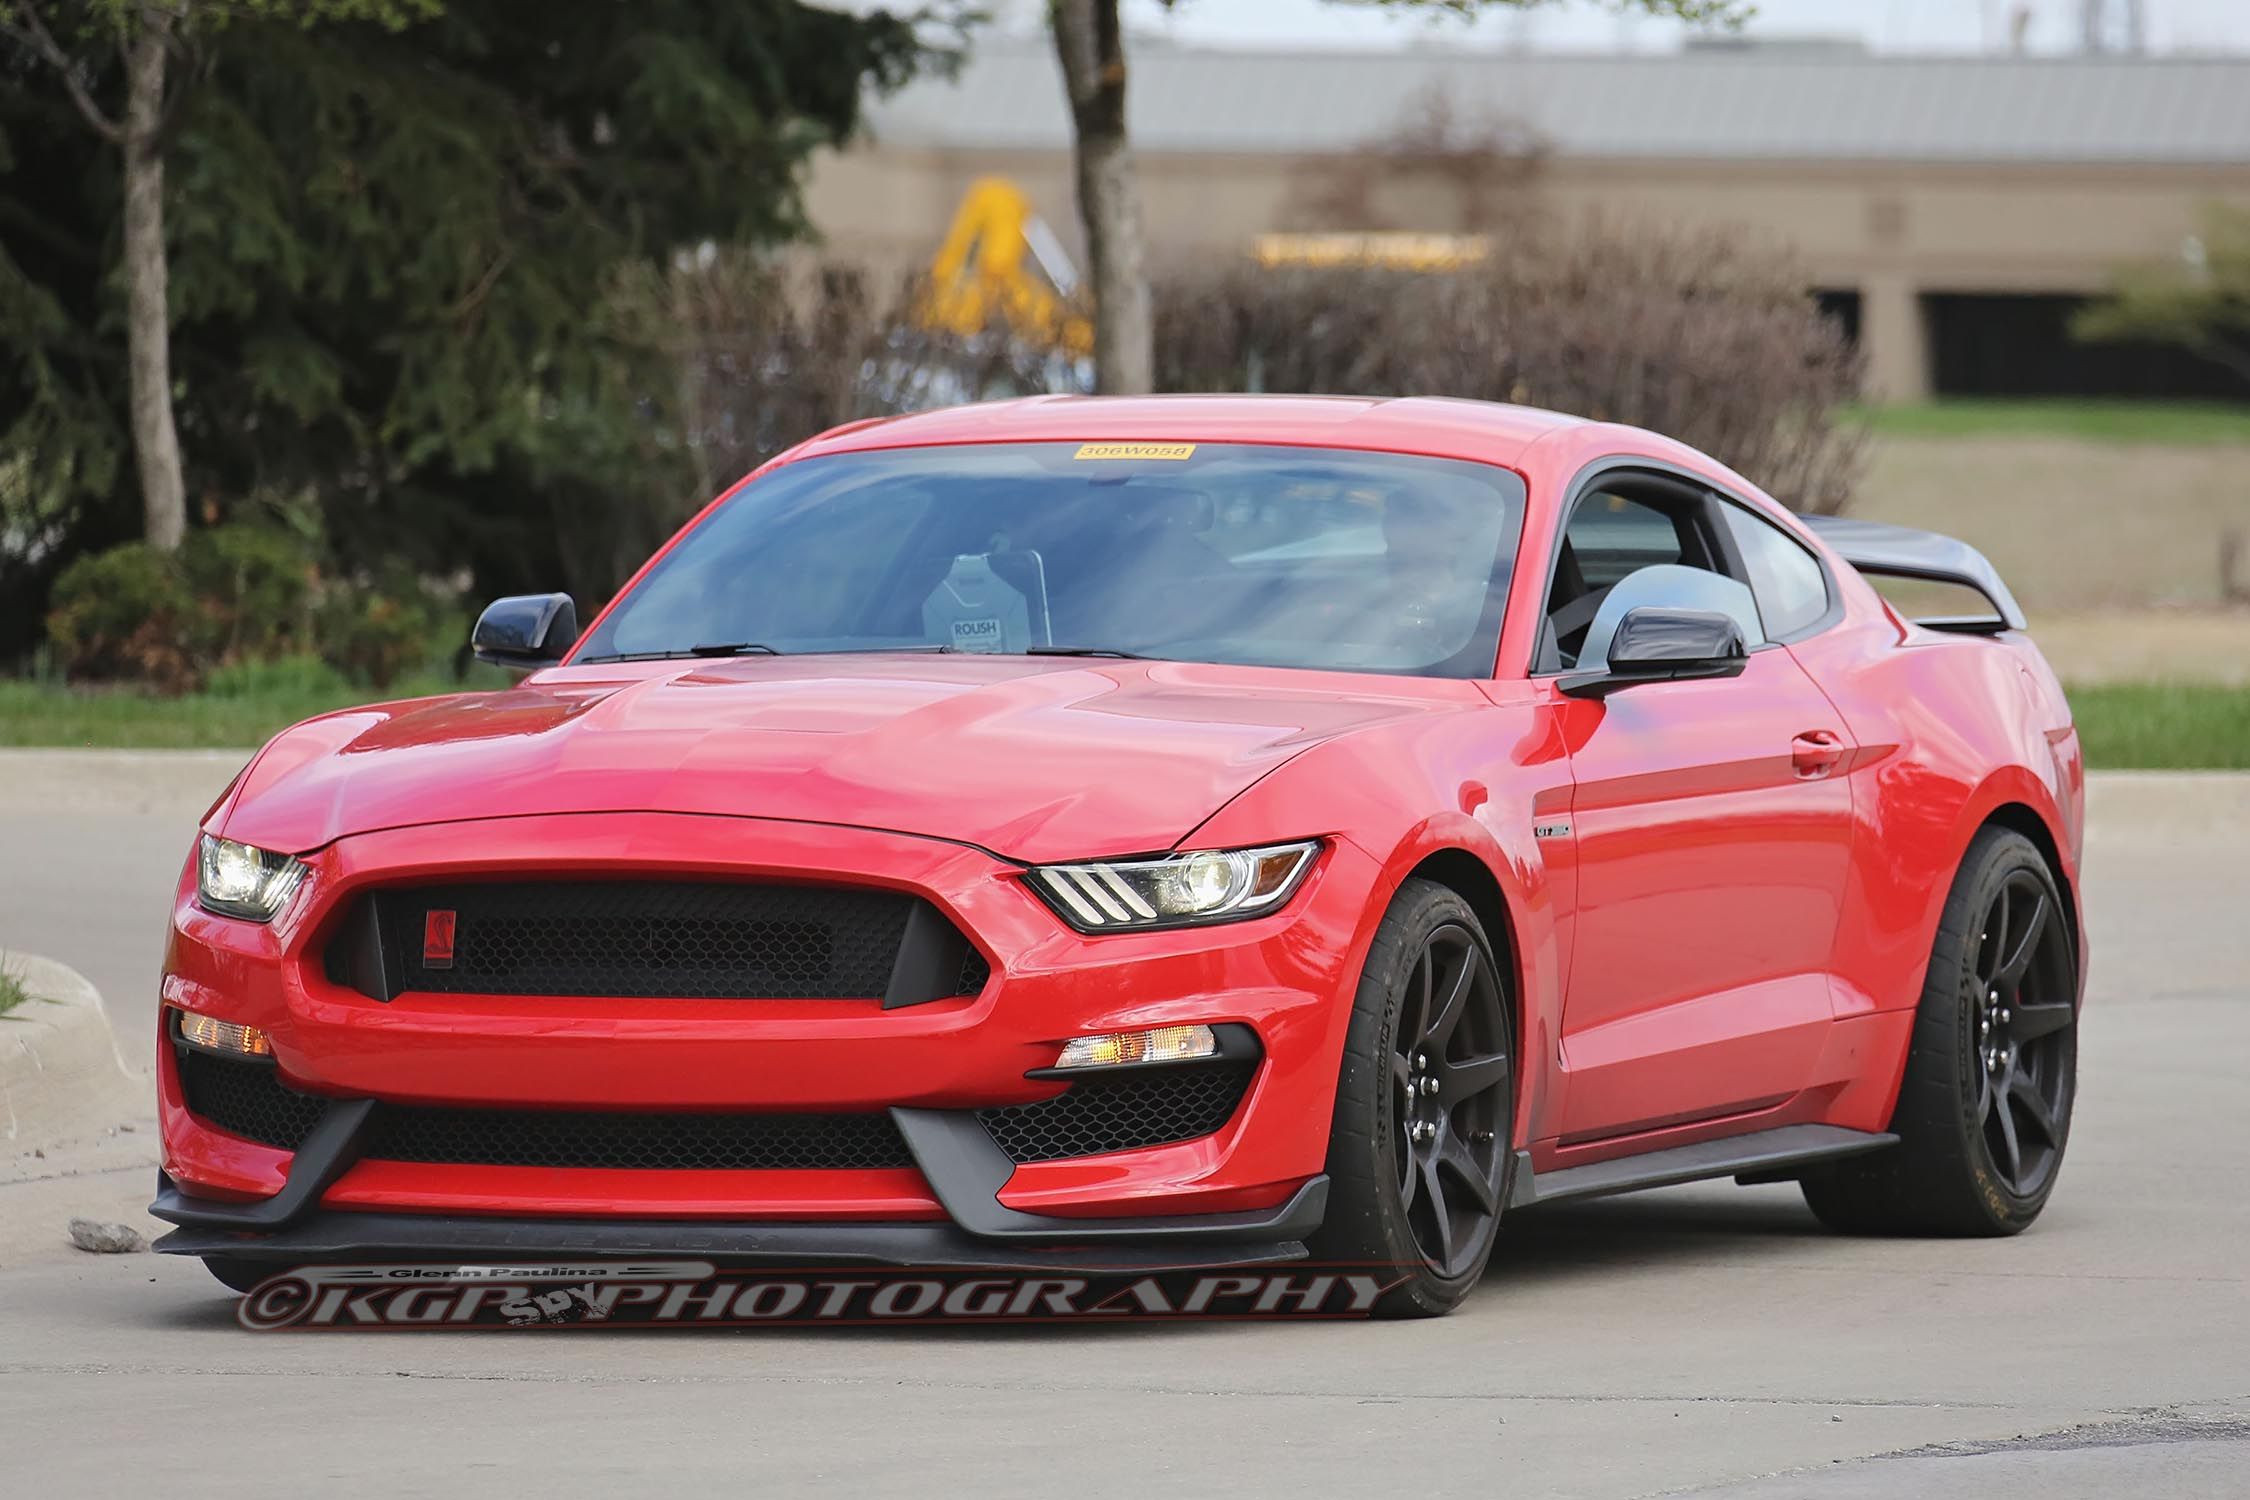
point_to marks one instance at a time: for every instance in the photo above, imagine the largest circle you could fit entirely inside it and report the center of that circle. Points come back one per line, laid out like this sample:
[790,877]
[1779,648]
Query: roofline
[1430,426]
[1149,47]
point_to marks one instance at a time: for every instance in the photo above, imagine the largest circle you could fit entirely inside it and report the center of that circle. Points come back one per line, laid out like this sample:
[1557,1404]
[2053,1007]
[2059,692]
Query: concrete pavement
[1708,1340]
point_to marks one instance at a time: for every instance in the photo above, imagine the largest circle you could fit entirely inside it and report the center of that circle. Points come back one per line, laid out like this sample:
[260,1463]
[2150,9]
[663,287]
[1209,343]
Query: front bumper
[1249,1191]
[954,1153]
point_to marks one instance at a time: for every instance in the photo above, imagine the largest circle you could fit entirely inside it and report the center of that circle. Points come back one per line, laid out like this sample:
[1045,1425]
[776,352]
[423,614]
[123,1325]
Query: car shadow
[1606,1237]
[1599,1240]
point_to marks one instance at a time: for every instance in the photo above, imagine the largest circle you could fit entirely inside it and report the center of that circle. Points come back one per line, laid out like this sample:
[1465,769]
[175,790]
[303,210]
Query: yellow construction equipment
[1000,263]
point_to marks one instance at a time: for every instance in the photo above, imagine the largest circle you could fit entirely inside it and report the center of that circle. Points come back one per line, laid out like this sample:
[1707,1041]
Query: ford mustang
[1154,832]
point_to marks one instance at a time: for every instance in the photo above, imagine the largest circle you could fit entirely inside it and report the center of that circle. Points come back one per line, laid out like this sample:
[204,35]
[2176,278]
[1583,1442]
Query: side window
[1791,590]
[1612,535]
[1610,538]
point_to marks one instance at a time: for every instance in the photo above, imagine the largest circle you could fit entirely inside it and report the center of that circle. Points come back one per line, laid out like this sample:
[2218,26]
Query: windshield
[1209,552]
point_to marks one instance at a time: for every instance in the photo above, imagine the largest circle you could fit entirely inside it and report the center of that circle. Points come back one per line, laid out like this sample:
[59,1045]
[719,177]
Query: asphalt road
[1707,1340]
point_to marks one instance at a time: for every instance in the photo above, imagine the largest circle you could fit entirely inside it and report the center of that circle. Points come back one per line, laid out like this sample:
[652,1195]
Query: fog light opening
[1118,1049]
[224,1037]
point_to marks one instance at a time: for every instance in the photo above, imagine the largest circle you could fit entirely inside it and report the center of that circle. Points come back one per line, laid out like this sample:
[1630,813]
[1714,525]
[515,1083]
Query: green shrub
[376,635]
[242,608]
[13,991]
[259,580]
[129,614]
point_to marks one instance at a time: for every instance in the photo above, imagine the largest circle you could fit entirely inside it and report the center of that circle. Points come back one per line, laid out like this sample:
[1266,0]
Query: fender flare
[1525,946]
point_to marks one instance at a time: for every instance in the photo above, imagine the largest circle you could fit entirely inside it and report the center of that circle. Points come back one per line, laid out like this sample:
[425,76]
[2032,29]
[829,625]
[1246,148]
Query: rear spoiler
[1902,552]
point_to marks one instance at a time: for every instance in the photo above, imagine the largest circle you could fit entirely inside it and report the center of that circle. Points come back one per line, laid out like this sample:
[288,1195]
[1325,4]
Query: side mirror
[1656,643]
[526,630]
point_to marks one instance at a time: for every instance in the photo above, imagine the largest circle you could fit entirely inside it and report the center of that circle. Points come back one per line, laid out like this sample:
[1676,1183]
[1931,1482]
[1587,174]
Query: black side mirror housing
[526,631]
[1659,644]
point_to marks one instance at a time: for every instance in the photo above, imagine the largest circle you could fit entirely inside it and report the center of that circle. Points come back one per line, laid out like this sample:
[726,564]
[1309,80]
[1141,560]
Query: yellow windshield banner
[1172,451]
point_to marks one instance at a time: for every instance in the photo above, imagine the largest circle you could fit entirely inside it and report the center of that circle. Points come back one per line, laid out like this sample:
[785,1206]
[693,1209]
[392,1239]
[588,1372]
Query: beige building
[1951,211]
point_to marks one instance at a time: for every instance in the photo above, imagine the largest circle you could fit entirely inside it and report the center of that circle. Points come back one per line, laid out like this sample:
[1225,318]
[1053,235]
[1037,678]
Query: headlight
[236,880]
[1174,890]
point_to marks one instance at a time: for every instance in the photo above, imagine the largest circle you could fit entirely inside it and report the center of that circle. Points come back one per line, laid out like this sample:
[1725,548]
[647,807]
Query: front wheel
[1985,1107]
[1419,1151]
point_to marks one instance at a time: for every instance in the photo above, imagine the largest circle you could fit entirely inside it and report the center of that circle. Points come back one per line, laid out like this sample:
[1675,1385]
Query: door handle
[1816,752]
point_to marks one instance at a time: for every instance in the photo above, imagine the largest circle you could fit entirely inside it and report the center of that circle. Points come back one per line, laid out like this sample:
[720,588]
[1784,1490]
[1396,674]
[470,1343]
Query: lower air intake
[1158,1107]
[250,1100]
[1155,1108]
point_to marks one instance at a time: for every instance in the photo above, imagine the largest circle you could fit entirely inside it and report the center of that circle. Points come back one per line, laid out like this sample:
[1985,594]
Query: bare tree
[1090,45]
[1489,165]
[151,36]
[2199,302]
[155,39]
[1705,335]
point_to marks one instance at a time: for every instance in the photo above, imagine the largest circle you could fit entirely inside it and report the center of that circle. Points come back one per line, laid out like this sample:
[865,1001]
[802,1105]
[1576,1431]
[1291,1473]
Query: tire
[1984,1110]
[239,1275]
[1420,1154]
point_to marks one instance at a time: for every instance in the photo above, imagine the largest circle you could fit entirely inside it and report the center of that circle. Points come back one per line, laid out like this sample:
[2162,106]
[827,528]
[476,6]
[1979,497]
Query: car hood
[1033,759]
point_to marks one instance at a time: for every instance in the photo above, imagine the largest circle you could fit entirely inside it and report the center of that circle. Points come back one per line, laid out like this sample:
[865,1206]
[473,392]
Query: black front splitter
[326,1237]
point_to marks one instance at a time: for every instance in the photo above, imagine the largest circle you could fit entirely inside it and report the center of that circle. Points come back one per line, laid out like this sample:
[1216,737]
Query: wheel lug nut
[1421,1060]
[2003,1017]
[1429,1086]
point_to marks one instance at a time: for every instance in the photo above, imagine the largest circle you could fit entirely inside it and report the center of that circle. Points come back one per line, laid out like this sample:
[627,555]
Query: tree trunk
[1092,51]
[156,442]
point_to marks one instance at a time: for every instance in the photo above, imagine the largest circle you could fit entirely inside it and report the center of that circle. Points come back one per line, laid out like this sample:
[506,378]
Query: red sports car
[1174,831]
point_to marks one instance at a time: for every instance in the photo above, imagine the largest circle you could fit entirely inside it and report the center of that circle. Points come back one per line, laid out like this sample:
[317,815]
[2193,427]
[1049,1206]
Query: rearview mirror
[1659,644]
[526,630]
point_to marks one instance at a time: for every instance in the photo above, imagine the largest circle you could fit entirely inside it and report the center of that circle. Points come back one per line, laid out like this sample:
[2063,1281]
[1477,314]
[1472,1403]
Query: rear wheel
[1985,1107]
[1419,1155]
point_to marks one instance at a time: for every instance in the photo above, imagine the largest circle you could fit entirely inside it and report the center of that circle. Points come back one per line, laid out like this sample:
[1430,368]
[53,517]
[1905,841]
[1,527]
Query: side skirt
[1762,1156]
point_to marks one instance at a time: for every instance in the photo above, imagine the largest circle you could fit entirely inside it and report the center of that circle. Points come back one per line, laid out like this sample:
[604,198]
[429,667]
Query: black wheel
[1984,1110]
[239,1275]
[1419,1153]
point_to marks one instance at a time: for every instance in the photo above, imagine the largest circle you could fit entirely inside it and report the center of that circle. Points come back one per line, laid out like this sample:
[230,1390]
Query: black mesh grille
[975,973]
[556,1138]
[655,938]
[250,1100]
[1154,1108]
[247,1099]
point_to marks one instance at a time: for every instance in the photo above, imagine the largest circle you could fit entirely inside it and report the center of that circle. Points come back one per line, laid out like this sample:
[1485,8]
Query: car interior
[1615,532]
[1328,563]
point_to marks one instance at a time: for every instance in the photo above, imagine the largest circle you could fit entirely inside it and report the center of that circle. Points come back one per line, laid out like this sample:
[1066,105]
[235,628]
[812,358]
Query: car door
[1712,838]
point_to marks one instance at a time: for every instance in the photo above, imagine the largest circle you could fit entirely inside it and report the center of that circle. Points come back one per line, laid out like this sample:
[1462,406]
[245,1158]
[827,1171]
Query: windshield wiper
[755,648]
[1084,651]
[721,648]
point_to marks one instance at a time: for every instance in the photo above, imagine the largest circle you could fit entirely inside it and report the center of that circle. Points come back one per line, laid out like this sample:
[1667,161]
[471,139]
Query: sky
[1586,25]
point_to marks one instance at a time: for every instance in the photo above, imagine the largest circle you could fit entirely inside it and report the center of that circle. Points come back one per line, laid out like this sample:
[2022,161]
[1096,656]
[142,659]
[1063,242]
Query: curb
[2129,809]
[179,783]
[60,1070]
